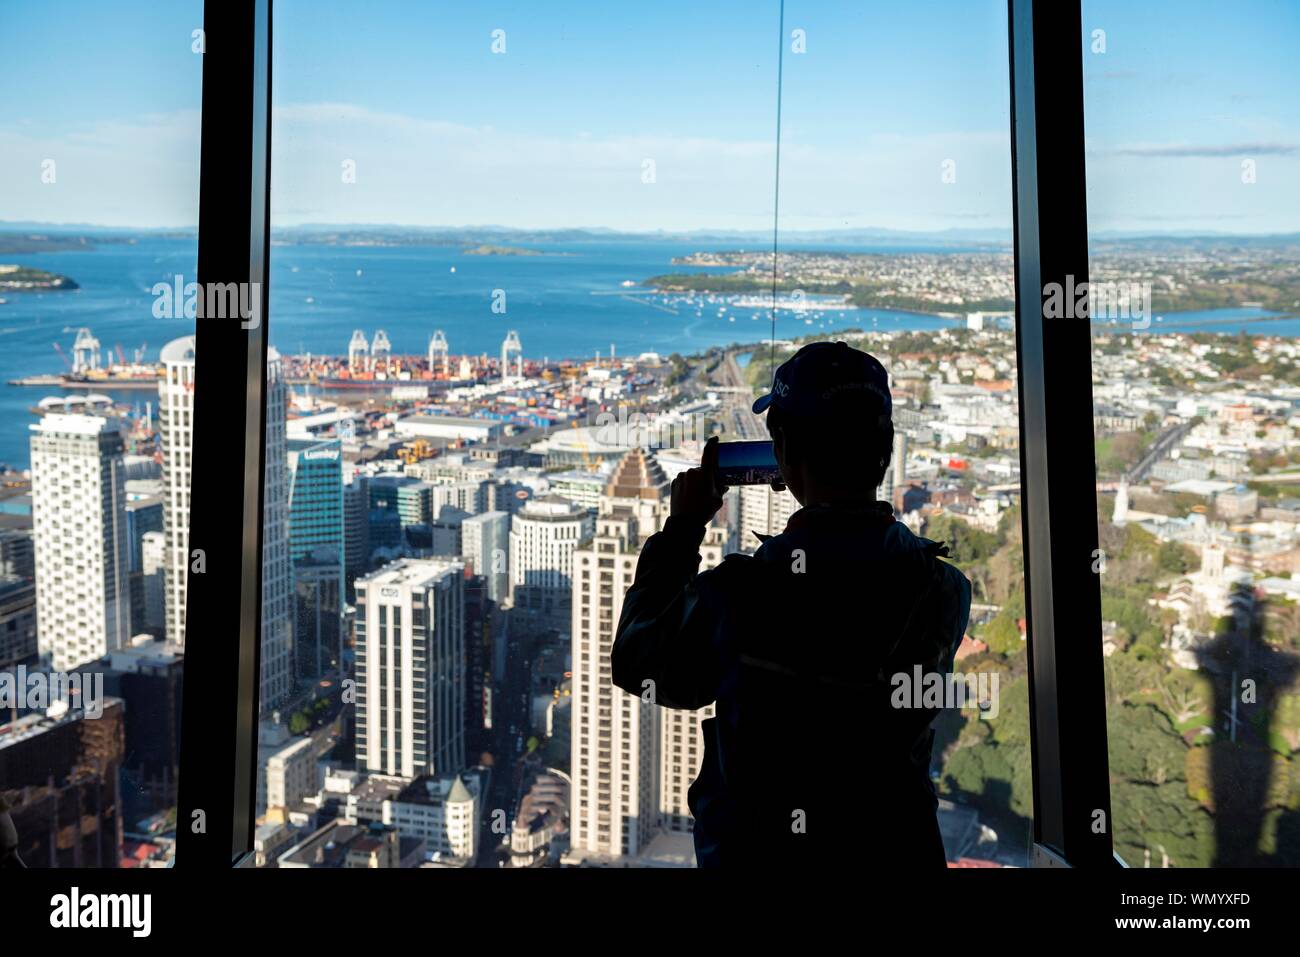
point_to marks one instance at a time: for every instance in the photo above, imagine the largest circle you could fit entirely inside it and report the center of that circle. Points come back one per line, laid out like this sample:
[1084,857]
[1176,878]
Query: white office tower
[485,544]
[277,567]
[83,602]
[681,743]
[615,768]
[543,537]
[762,512]
[410,668]
[176,430]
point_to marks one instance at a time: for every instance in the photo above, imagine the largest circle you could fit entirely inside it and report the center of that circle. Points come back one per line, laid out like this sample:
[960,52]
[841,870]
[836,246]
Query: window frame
[1058,495]
[218,775]
[1054,373]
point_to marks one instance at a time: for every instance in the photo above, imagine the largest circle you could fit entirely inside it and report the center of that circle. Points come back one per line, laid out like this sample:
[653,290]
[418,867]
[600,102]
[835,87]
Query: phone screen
[747,463]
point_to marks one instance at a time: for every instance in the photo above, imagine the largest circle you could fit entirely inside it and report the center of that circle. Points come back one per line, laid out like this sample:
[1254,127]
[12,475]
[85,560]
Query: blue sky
[564,127]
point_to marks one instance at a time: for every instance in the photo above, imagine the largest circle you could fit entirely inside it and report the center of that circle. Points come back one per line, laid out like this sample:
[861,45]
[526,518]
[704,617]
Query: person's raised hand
[696,493]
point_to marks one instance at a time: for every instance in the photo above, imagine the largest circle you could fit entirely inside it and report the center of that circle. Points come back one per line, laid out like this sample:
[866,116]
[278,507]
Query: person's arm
[668,644]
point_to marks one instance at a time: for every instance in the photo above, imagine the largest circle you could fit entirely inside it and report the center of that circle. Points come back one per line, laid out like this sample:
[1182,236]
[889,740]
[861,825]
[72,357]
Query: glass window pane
[1195,271]
[896,236]
[479,405]
[99,161]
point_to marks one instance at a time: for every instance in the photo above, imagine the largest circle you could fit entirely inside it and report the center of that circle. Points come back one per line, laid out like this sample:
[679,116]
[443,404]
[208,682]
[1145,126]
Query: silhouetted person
[808,761]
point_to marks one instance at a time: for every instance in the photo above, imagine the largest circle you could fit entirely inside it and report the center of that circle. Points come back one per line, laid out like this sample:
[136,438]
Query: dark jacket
[807,761]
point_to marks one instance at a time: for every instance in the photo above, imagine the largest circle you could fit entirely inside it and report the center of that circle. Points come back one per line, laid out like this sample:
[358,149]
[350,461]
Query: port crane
[85,351]
[512,347]
[358,348]
[380,350]
[438,353]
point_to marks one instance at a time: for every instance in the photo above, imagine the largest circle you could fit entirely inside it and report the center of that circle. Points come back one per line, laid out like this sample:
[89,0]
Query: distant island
[489,250]
[25,279]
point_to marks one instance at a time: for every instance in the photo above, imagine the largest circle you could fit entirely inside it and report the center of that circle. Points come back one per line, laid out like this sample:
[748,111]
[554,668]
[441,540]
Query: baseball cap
[829,378]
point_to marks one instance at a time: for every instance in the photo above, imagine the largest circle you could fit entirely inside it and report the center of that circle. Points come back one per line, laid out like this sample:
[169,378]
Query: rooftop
[412,572]
[637,475]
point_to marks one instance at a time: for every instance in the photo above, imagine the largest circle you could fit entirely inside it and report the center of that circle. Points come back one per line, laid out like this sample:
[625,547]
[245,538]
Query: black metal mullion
[219,710]
[1058,469]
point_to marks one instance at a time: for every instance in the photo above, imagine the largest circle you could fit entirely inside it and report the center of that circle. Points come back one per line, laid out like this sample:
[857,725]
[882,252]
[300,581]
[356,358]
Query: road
[741,422]
[1159,448]
[510,693]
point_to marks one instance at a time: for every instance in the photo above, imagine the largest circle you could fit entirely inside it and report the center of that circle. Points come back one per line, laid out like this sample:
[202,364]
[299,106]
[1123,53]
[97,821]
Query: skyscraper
[277,567]
[356,529]
[315,499]
[681,742]
[176,430]
[615,799]
[83,606]
[316,548]
[485,543]
[318,617]
[762,512]
[410,669]
[153,577]
[543,537]
[144,515]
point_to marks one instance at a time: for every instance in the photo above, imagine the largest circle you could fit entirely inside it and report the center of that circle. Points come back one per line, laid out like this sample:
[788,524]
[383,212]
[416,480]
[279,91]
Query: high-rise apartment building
[543,537]
[615,799]
[681,742]
[762,512]
[176,431]
[410,669]
[83,606]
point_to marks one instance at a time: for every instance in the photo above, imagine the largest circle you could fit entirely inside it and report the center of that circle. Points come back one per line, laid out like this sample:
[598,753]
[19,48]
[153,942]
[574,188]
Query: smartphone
[747,463]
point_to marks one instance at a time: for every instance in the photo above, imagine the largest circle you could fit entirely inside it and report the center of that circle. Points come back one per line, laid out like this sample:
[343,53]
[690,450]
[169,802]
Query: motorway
[1163,443]
[739,421]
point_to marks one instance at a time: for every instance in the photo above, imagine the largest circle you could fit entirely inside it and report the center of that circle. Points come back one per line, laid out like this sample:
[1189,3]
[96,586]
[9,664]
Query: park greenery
[1183,791]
